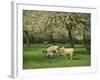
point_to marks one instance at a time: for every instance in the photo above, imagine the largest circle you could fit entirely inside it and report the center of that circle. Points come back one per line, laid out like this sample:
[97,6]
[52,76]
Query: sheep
[52,48]
[48,54]
[67,51]
[50,51]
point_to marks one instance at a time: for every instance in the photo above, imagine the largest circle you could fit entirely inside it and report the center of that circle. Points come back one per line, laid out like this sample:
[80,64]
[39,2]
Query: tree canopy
[57,27]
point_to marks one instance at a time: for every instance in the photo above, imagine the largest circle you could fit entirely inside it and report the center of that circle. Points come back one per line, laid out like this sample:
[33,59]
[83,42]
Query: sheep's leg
[71,56]
[57,53]
[66,57]
[46,56]
[51,55]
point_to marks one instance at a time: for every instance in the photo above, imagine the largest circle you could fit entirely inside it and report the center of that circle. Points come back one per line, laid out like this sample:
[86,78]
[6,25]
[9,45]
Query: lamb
[50,51]
[67,51]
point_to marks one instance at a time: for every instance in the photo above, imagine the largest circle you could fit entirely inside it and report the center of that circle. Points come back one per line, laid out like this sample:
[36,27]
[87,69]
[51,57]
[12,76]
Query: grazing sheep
[47,55]
[50,51]
[67,51]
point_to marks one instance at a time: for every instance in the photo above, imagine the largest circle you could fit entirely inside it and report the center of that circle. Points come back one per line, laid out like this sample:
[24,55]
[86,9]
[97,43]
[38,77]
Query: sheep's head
[62,48]
[44,53]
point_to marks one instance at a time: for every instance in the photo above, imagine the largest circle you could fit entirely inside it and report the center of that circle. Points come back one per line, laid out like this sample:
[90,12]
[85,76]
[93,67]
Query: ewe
[50,51]
[67,51]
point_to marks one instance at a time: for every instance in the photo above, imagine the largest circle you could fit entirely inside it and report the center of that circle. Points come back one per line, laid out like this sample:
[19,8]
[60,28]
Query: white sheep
[67,51]
[50,51]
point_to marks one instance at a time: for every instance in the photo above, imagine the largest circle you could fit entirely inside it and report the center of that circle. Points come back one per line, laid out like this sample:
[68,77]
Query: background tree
[57,27]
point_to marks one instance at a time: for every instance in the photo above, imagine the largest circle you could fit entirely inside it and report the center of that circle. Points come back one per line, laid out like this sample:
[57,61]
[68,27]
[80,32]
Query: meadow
[33,58]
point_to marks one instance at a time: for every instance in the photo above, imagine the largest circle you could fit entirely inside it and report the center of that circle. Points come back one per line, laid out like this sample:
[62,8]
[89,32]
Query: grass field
[32,58]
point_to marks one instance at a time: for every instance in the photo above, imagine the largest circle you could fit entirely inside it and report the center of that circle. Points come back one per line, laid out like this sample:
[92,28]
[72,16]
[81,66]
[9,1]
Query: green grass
[32,58]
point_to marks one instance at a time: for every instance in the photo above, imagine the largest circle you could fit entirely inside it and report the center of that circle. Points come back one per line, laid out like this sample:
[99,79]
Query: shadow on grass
[77,58]
[82,52]
[41,59]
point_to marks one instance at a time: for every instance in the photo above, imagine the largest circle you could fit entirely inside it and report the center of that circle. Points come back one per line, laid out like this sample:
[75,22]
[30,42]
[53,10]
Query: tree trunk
[33,39]
[84,38]
[71,39]
[52,40]
[88,43]
[27,39]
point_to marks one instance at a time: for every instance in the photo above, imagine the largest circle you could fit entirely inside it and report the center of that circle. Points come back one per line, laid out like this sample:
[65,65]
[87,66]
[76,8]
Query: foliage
[56,27]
